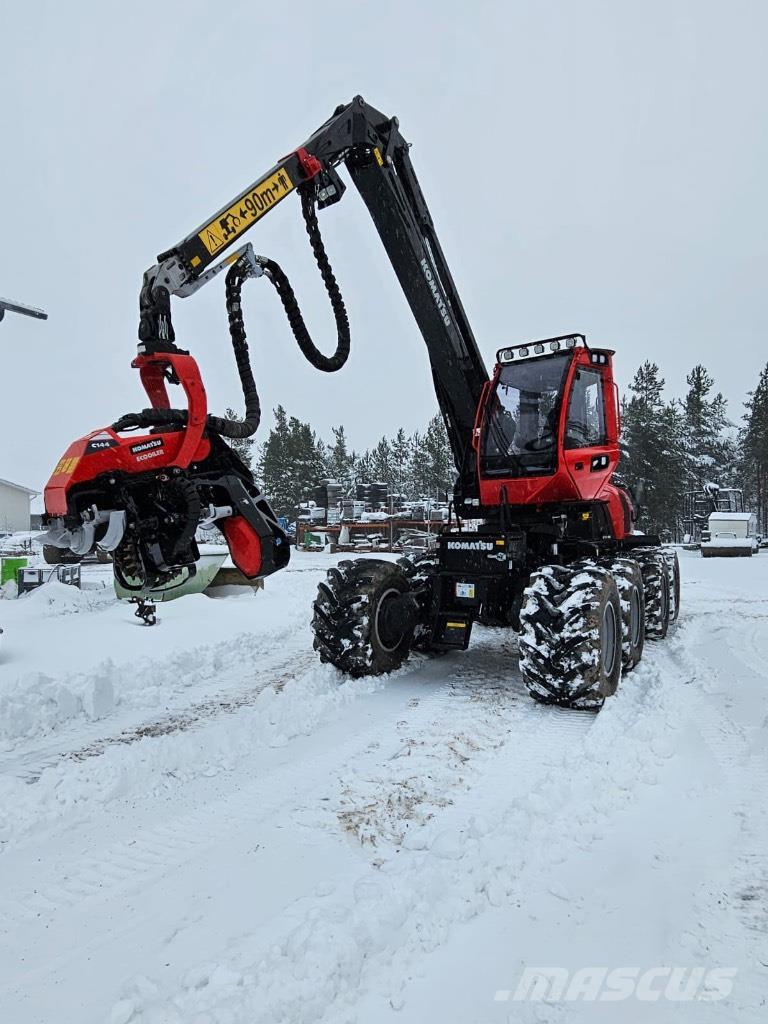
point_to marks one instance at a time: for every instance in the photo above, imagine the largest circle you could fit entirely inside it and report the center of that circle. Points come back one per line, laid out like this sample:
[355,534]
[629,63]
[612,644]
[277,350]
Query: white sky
[592,166]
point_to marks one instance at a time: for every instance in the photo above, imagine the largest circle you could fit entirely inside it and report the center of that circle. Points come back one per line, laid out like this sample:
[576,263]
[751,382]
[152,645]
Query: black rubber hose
[250,424]
[283,287]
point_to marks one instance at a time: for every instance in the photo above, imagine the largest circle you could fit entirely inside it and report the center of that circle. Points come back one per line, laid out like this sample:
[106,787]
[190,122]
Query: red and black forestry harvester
[543,540]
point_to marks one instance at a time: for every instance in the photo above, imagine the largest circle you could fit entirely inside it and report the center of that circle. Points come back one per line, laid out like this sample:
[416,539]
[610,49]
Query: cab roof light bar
[547,346]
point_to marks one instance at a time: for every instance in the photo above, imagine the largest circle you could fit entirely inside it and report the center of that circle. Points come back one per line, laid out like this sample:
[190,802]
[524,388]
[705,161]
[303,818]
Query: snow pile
[37,703]
[180,751]
[55,598]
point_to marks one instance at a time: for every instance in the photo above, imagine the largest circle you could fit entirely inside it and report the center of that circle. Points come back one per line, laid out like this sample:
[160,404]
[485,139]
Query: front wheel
[571,636]
[364,617]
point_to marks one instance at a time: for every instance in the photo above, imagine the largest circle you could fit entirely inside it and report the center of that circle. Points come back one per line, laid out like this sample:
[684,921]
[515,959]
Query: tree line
[669,447]
[294,458]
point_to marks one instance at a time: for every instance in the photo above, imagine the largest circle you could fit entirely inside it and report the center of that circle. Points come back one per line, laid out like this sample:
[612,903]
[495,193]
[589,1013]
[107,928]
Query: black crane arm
[376,156]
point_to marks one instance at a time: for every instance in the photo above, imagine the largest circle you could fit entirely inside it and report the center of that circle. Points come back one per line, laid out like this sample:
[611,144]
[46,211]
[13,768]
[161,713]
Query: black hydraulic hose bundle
[283,287]
[236,277]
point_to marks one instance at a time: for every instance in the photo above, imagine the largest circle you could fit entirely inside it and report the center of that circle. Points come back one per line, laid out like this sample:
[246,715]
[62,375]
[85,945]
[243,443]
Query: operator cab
[548,425]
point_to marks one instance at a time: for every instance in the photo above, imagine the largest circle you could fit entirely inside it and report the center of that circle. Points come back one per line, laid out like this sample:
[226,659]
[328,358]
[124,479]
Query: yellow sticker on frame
[246,211]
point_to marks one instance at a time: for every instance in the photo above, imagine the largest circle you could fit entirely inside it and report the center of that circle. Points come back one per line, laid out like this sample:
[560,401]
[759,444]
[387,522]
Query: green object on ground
[8,567]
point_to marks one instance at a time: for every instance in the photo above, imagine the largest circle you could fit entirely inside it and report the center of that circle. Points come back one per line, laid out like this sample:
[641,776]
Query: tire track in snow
[727,657]
[365,935]
[30,765]
[131,863]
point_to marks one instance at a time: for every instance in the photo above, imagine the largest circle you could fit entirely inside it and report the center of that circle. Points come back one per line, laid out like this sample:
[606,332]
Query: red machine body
[105,451]
[577,453]
[161,483]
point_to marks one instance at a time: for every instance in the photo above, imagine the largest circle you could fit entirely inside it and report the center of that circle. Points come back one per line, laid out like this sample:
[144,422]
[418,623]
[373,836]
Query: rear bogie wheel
[364,617]
[629,582]
[655,591]
[571,635]
[673,575]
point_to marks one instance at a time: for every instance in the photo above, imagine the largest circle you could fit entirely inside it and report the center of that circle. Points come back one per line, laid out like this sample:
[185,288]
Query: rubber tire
[498,611]
[655,590]
[344,620]
[673,574]
[421,571]
[629,577]
[561,635]
[60,556]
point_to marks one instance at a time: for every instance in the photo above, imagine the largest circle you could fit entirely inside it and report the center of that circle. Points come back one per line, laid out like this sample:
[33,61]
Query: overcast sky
[590,166]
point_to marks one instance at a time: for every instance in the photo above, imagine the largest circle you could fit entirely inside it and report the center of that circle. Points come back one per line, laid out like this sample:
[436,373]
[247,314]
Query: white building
[14,506]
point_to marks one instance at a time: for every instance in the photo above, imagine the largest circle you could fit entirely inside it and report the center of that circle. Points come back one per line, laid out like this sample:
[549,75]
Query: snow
[724,540]
[199,823]
[727,517]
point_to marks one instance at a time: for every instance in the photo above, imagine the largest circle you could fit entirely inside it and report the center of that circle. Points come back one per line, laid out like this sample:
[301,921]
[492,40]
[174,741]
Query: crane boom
[376,157]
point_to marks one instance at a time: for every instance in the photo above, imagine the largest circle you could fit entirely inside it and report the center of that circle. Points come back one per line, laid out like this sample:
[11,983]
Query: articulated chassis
[483,573]
[583,602]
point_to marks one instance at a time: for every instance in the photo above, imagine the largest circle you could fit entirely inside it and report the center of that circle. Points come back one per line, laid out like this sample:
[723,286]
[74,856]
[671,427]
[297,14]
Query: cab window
[585,425]
[520,436]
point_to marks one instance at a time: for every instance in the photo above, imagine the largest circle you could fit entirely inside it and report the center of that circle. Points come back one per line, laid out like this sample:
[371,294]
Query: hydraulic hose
[283,287]
[249,425]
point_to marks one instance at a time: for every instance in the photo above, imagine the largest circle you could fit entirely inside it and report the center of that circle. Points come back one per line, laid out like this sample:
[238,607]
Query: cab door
[590,445]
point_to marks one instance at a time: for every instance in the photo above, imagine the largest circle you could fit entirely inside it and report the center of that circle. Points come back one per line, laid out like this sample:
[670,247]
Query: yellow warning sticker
[66,466]
[379,158]
[246,211]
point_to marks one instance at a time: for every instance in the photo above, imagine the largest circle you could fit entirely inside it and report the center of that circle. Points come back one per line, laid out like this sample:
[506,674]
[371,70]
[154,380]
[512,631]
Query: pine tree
[273,459]
[340,462]
[364,467]
[709,450]
[653,450]
[438,471]
[754,450]
[291,464]
[381,461]
[400,453]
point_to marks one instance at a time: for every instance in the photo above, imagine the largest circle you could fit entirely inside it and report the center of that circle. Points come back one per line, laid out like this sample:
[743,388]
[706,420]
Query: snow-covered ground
[199,824]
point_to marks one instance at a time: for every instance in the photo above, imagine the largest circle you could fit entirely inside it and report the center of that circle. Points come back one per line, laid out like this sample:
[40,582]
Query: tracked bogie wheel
[673,575]
[629,582]
[364,617]
[571,636]
[656,590]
